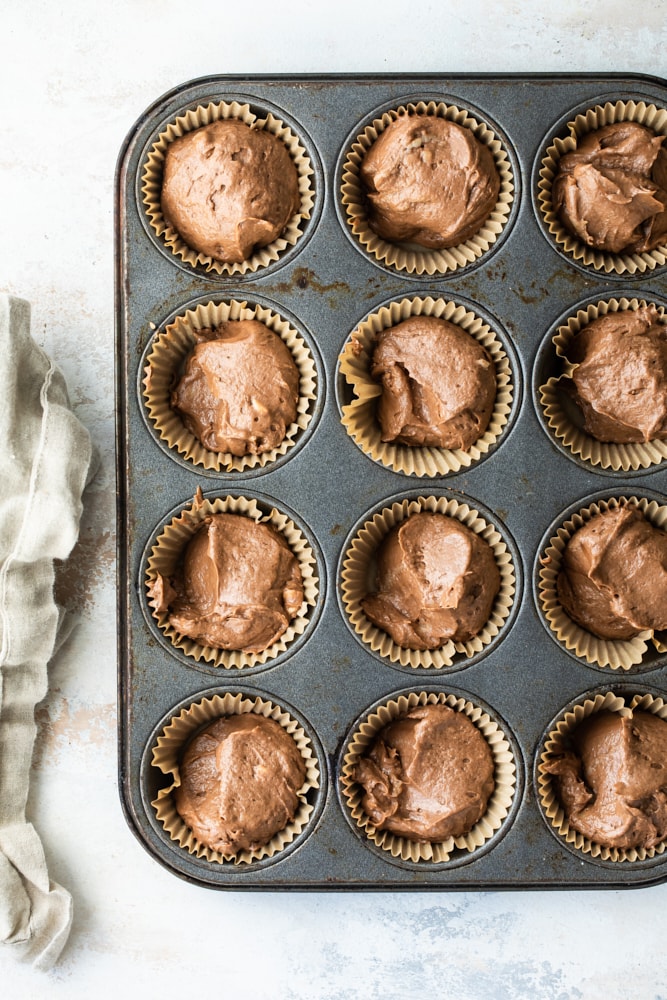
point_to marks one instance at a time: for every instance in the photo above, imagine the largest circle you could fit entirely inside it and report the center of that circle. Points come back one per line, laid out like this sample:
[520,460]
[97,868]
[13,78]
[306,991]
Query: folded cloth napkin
[45,458]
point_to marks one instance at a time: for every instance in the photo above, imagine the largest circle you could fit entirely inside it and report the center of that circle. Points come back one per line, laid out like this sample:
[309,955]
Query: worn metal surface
[329,284]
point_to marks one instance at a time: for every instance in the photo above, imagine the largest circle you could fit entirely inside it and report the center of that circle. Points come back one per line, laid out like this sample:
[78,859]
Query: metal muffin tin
[329,680]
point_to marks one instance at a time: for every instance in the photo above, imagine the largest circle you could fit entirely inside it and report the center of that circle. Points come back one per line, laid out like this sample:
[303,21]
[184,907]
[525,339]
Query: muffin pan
[325,284]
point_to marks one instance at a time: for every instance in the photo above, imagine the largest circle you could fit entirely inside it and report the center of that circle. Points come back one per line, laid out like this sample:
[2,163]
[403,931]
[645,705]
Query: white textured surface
[74,76]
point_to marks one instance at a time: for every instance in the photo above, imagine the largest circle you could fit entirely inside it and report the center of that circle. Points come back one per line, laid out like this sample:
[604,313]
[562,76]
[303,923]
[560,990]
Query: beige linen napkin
[45,457]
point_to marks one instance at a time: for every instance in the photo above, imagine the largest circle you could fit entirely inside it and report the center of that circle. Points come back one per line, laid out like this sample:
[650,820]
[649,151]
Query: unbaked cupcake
[602,777]
[603,582]
[436,581]
[229,583]
[428,181]
[427,774]
[606,398]
[427,582]
[242,779]
[427,188]
[603,188]
[613,576]
[226,190]
[238,586]
[431,386]
[230,386]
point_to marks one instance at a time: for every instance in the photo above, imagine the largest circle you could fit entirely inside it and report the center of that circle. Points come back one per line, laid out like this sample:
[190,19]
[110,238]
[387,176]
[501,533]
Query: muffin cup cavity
[358,573]
[614,654]
[591,120]
[167,552]
[561,415]
[359,414]
[151,187]
[166,754]
[498,807]
[556,742]
[410,258]
[164,363]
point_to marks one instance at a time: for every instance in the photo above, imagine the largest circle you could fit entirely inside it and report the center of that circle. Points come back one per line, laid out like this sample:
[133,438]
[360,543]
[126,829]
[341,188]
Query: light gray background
[73,78]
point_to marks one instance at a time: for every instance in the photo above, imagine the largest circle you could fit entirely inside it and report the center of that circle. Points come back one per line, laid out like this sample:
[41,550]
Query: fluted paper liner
[617,654]
[167,753]
[357,581]
[167,357]
[606,454]
[410,257]
[499,803]
[592,120]
[151,186]
[168,551]
[557,742]
[359,416]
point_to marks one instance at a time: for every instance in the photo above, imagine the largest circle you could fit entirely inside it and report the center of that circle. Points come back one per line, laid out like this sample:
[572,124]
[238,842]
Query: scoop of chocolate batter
[239,782]
[438,384]
[611,191]
[428,775]
[613,580]
[613,783]
[620,382]
[229,188]
[436,580]
[429,181]
[239,586]
[239,390]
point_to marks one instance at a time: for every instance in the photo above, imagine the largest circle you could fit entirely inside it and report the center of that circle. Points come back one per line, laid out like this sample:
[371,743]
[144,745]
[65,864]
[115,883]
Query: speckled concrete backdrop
[73,78]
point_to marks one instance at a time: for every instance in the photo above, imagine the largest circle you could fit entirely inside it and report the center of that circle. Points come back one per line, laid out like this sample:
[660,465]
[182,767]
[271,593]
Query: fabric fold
[45,461]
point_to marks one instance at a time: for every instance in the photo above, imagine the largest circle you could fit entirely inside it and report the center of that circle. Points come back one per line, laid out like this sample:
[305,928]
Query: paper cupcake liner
[557,741]
[359,416]
[616,654]
[499,804]
[151,186]
[167,357]
[166,757]
[168,550]
[409,257]
[357,578]
[559,415]
[593,119]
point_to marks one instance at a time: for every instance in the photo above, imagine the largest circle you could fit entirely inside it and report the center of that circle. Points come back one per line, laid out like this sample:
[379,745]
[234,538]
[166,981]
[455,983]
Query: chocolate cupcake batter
[611,192]
[239,782]
[436,580]
[228,189]
[613,783]
[239,586]
[613,580]
[438,384]
[620,382]
[428,181]
[239,389]
[428,775]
